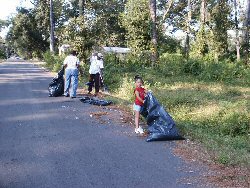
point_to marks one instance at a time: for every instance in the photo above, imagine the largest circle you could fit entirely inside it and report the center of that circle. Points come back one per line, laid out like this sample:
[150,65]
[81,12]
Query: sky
[8,8]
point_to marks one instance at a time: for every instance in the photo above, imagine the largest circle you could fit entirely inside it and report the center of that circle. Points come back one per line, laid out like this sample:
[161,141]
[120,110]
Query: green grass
[210,102]
[213,112]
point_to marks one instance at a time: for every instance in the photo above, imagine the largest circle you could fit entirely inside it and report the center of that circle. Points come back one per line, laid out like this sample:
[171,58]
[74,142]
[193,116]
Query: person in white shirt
[95,70]
[71,63]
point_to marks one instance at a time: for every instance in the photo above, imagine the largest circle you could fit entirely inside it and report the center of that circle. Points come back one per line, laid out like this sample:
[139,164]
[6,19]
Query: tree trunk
[246,37]
[154,51]
[168,7]
[52,28]
[81,7]
[237,31]
[189,17]
[203,12]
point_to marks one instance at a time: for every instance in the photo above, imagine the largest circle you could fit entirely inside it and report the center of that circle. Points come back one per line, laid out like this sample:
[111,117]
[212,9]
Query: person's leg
[97,83]
[67,82]
[91,80]
[137,117]
[74,74]
[138,128]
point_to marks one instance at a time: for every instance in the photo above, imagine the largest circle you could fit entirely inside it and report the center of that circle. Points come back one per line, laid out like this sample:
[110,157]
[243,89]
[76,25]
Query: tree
[154,43]
[81,7]
[52,28]
[189,17]
[246,34]
[219,25]
[200,46]
[237,38]
[24,36]
[3,24]
[136,20]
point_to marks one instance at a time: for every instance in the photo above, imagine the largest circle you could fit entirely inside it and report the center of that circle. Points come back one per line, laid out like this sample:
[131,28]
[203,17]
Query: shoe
[66,95]
[72,97]
[139,130]
[136,131]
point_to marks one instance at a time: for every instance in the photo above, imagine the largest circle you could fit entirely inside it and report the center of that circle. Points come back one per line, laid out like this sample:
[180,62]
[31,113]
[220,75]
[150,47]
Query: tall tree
[52,28]
[81,7]
[136,20]
[189,17]
[201,47]
[154,42]
[237,38]
[246,34]
[219,25]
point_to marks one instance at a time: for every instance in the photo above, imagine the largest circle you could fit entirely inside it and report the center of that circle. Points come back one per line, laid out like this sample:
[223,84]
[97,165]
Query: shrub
[53,62]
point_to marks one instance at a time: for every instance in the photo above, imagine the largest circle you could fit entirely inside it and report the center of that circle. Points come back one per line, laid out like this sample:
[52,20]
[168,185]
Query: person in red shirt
[140,93]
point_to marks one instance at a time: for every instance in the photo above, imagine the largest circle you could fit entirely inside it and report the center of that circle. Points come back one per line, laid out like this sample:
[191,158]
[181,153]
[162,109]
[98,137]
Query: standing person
[71,63]
[95,70]
[139,100]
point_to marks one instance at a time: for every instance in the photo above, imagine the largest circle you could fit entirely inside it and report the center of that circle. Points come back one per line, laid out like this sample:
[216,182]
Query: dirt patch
[218,175]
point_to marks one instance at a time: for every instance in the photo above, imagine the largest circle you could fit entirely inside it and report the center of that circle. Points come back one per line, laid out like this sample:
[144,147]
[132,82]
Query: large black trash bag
[56,86]
[161,126]
[95,101]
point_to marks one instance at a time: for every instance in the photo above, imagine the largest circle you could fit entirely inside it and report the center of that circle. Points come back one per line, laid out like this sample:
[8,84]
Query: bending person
[71,63]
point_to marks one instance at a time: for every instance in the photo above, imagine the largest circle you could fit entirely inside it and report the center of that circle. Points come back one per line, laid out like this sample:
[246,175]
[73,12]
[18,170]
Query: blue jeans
[71,75]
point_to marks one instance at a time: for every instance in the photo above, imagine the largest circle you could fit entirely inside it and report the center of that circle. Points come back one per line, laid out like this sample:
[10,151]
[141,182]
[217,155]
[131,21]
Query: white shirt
[71,62]
[96,66]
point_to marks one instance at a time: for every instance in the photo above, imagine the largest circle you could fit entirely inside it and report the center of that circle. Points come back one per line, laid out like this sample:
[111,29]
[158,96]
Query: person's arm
[78,63]
[138,96]
[65,63]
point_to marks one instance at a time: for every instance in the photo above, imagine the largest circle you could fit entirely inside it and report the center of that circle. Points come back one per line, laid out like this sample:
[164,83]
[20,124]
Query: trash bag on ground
[161,126]
[95,101]
[56,86]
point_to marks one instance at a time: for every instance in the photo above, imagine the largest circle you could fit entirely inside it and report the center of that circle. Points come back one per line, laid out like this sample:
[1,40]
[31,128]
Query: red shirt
[141,94]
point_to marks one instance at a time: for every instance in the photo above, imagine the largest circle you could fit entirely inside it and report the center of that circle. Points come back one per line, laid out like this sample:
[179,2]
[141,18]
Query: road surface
[54,143]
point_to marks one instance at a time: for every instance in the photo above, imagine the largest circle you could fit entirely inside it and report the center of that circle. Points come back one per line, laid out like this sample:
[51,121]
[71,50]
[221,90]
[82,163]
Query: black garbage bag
[161,126]
[56,86]
[95,101]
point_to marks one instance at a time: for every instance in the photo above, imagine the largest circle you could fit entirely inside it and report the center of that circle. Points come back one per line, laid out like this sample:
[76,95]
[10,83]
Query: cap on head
[100,55]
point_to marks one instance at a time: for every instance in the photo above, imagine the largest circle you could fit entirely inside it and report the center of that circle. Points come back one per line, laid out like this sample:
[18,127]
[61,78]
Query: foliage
[53,62]
[136,20]
[220,24]
[213,110]
[24,36]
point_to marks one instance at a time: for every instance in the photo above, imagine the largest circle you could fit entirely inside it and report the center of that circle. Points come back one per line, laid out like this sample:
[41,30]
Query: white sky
[8,8]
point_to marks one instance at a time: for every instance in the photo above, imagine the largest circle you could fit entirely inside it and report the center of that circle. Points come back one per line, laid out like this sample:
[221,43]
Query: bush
[2,54]
[53,62]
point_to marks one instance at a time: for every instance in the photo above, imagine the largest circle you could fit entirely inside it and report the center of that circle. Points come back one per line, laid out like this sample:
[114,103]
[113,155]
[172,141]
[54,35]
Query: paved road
[54,143]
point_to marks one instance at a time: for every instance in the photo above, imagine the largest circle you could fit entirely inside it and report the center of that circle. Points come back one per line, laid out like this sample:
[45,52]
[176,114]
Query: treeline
[213,29]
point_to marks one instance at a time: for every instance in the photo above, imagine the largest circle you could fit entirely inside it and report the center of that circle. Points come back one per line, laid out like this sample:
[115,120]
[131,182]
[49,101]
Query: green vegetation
[201,77]
[209,101]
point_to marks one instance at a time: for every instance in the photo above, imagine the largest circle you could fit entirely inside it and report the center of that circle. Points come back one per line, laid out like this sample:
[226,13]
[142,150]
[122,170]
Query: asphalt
[48,142]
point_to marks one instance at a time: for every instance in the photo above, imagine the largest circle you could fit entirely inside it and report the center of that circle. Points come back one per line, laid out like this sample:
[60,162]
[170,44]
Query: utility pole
[52,28]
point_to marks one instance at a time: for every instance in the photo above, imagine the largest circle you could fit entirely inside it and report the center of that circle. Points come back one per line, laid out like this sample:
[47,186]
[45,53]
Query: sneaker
[139,130]
[136,131]
[66,95]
